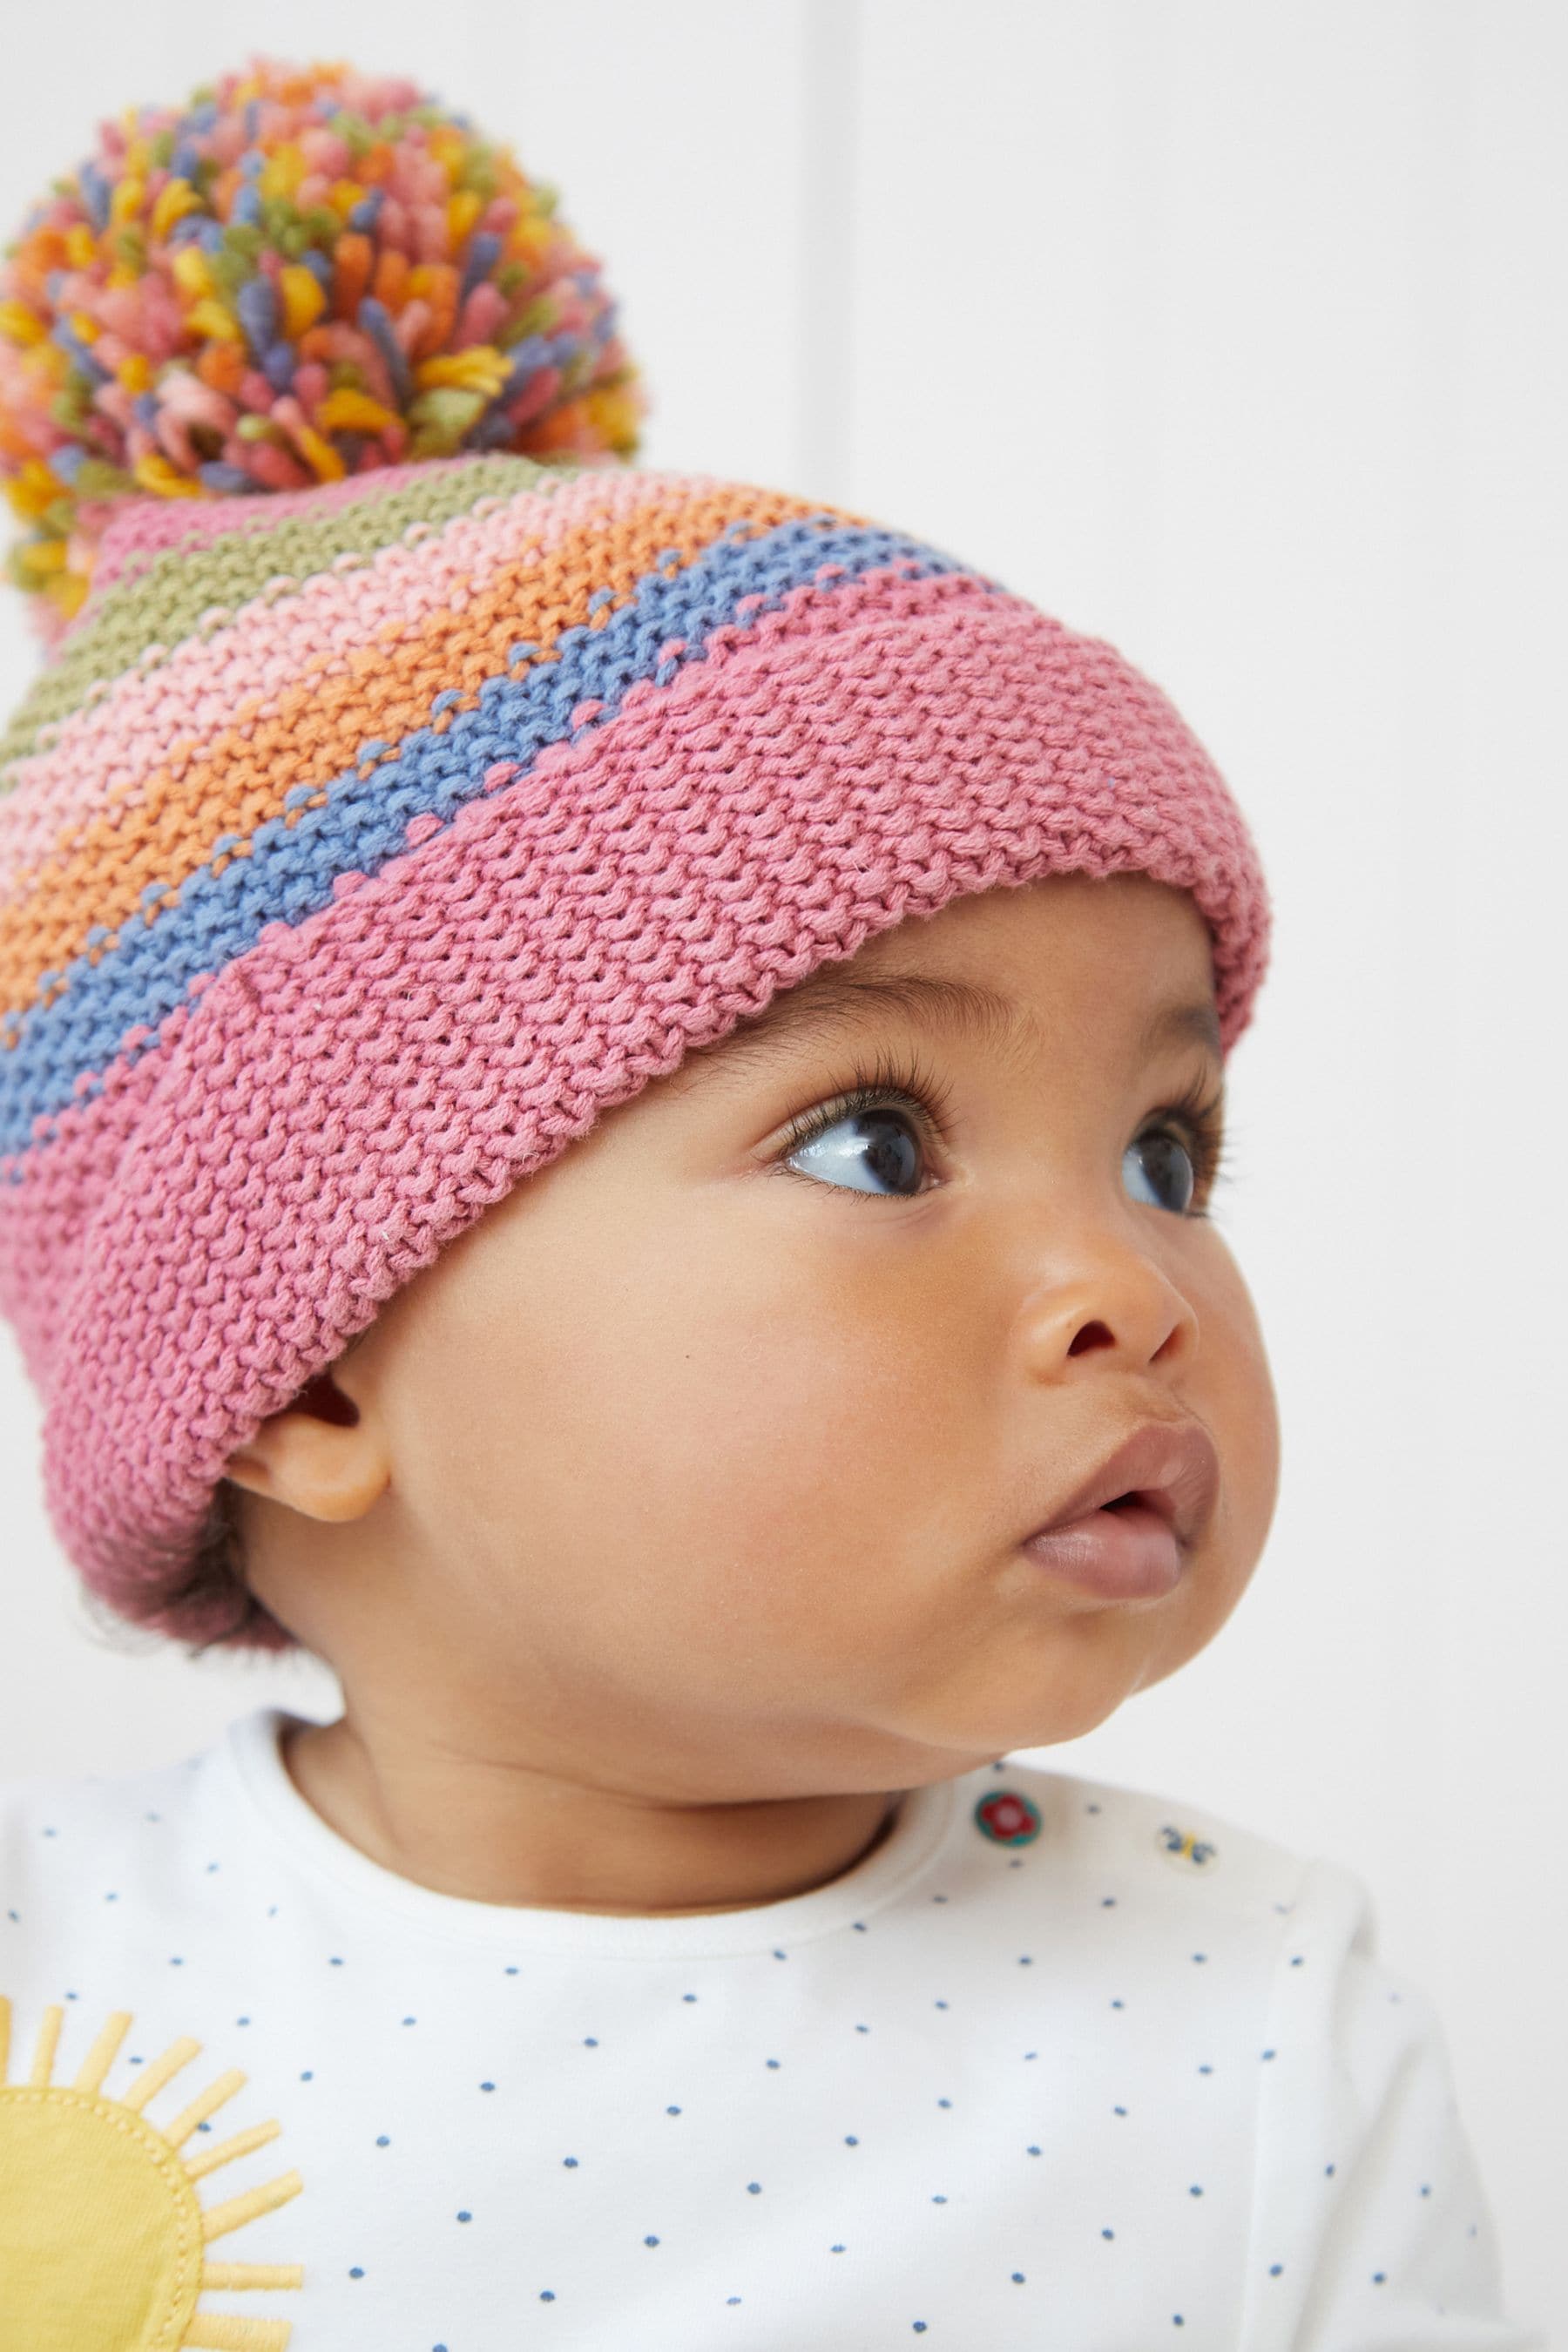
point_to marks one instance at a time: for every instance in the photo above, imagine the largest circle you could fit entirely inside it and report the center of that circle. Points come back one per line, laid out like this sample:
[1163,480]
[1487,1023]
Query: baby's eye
[883,1144]
[1175,1162]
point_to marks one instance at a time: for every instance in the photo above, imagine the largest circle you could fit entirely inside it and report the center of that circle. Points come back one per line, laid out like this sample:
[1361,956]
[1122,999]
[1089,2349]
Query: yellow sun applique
[101,2231]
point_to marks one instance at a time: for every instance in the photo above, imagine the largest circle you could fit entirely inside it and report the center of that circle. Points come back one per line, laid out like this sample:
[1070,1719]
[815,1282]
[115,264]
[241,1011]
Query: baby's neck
[526,1839]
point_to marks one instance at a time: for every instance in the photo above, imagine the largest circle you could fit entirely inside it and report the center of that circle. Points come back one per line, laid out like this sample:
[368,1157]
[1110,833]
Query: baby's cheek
[762,1467]
[806,1415]
[1246,1412]
[1233,1393]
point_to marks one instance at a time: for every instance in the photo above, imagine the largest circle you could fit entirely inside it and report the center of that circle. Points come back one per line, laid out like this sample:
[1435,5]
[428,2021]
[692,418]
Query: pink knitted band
[443,856]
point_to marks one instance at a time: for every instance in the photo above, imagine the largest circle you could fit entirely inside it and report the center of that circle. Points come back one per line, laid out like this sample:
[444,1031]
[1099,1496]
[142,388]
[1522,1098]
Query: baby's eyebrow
[834,998]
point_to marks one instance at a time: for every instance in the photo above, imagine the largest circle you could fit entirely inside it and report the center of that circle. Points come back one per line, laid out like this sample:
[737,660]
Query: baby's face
[710,1454]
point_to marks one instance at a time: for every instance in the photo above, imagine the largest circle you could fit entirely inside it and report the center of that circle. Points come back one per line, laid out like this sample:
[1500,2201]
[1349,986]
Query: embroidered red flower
[1009,1818]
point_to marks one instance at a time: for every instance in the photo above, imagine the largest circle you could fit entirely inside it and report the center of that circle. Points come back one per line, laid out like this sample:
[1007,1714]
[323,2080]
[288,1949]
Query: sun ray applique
[103,2236]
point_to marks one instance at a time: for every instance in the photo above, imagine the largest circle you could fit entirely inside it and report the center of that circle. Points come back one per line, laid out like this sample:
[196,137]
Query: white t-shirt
[1059,2066]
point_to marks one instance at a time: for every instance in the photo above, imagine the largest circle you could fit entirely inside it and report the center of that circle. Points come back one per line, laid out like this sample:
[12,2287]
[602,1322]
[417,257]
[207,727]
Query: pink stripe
[109,751]
[45,1212]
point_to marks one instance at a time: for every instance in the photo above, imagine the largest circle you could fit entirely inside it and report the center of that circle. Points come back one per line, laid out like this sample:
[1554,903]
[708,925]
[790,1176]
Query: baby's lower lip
[1129,1554]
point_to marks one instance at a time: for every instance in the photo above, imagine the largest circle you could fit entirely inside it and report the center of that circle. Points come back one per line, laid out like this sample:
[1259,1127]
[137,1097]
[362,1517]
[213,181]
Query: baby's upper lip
[1171,1465]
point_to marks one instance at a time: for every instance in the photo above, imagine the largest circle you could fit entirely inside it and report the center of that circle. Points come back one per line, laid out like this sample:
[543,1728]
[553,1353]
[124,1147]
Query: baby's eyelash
[1202,1113]
[1197,1115]
[910,1081]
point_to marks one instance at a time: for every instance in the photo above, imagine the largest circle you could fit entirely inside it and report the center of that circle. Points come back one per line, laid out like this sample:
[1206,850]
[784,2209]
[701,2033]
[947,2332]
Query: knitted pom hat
[365,838]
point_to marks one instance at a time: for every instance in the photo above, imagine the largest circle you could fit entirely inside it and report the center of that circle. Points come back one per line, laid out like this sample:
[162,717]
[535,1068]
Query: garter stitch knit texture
[362,845]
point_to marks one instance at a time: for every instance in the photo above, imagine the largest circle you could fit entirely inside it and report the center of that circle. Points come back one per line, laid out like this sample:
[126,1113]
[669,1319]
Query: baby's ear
[315,1455]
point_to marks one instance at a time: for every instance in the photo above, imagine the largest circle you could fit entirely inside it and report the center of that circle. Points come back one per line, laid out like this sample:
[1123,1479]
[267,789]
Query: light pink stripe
[108,753]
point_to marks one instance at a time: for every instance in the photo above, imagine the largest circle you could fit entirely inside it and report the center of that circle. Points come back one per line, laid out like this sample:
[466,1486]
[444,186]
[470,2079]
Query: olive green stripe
[163,605]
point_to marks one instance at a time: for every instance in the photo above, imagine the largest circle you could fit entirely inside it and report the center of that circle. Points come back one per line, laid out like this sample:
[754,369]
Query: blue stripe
[363,823]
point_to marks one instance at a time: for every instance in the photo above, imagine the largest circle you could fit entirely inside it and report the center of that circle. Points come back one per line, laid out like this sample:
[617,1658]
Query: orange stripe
[239,780]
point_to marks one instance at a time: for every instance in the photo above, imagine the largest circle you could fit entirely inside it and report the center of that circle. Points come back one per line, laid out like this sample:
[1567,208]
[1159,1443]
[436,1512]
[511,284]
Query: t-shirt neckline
[925,1817]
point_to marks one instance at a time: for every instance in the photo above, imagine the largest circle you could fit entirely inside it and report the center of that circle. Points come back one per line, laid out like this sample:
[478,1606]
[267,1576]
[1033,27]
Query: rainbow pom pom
[310,272]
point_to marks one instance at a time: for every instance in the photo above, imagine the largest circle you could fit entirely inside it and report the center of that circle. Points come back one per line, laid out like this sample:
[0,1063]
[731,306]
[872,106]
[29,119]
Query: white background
[1235,333]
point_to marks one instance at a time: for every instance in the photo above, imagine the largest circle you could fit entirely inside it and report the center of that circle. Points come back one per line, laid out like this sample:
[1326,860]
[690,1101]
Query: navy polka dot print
[1057,2063]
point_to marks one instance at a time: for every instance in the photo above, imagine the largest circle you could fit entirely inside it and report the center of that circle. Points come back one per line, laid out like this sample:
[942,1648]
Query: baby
[614,1086]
